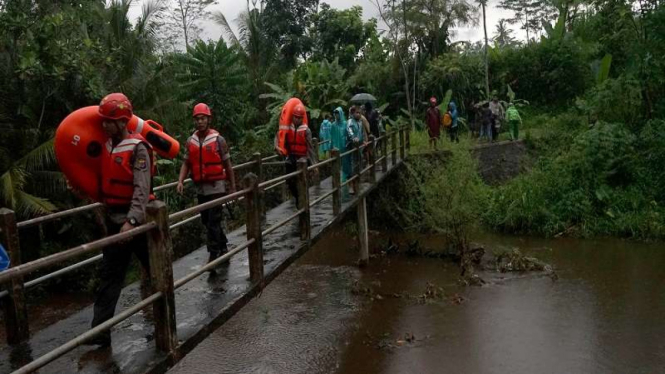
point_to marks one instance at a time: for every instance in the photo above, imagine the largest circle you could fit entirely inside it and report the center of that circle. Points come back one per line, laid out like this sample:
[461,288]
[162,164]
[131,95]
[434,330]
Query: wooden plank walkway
[202,305]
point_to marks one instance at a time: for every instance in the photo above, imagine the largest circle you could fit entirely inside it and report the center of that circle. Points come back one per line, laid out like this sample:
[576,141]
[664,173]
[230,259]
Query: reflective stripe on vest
[118,172]
[284,138]
[298,146]
[205,159]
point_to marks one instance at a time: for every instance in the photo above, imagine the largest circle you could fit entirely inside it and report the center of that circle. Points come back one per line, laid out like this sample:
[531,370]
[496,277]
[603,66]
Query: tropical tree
[433,21]
[181,21]
[483,4]
[340,34]
[503,35]
[212,73]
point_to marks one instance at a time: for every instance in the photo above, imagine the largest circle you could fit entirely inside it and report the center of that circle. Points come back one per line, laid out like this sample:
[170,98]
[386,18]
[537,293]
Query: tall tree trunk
[487,68]
[405,65]
[526,25]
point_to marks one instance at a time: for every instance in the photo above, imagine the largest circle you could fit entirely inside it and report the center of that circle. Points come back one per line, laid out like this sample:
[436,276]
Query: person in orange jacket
[298,144]
[127,171]
[208,161]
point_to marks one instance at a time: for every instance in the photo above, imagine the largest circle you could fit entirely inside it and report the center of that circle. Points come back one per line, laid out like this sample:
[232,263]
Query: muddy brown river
[604,314]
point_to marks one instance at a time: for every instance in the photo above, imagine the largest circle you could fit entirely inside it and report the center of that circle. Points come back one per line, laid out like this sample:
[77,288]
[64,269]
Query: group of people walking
[336,132]
[436,121]
[493,115]
[489,119]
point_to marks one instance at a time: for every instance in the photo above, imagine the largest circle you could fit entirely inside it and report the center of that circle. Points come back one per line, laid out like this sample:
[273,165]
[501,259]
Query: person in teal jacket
[514,121]
[338,140]
[324,136]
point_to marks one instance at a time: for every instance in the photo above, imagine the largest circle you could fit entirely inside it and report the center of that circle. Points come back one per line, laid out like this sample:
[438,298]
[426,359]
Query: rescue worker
[208,161]
[433,121]
[127,171]
[299,144]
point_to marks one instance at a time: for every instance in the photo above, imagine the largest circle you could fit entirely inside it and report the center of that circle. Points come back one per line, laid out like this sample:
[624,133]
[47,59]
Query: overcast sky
[231,9]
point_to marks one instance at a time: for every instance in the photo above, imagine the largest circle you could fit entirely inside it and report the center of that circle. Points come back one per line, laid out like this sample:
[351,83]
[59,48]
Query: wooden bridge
[153,329]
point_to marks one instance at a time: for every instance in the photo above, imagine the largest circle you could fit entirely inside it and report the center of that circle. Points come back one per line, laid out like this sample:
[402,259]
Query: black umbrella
[362,98]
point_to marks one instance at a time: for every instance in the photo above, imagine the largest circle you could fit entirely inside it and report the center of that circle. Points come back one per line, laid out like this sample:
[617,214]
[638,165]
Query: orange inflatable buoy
[285,121]
[78,147]
[153,132]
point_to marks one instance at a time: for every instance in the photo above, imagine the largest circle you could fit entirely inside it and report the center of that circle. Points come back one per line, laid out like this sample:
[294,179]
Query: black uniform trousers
[113,270]
[212,220]
[291,167]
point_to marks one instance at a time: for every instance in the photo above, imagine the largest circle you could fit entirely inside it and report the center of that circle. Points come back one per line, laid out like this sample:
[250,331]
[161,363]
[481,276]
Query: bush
[597,186]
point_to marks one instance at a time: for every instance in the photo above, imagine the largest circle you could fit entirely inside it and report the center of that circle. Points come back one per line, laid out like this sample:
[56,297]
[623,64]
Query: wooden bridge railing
[158,229]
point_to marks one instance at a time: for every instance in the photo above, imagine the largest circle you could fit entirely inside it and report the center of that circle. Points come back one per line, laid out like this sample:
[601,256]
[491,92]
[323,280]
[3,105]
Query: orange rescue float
[285,121]
[78,146]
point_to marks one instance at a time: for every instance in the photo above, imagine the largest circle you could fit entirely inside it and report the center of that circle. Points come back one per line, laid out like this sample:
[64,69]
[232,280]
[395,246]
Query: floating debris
[431,294]
[514,260]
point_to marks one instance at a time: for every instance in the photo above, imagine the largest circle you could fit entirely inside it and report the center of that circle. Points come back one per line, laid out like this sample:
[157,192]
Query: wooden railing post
[401,143]
[363,237]
[284,190]
[258,168]
[359,167]
[161,274]
[14,306]
[384,153]
[255,250]
[336,181]
[393,137]
[372,158]
[316,177]
[303,200]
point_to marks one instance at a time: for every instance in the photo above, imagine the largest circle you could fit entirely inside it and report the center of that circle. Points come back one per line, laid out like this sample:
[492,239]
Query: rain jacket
[324,135]
[355,130]
[338,137]
[453,113]
[512,114]
[338,131]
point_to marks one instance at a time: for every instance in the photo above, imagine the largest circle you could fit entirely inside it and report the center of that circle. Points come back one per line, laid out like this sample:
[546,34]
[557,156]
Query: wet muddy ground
[601,314]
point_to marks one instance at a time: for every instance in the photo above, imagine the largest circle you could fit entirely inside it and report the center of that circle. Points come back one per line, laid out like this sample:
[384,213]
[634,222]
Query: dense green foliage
[592,71]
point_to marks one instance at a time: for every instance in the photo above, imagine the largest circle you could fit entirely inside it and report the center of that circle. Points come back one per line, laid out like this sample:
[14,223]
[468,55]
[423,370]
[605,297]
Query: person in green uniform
[514,121]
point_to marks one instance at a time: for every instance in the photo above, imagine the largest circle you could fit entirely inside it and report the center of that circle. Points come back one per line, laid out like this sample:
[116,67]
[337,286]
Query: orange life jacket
[298,142]
[205,160]
[284,135]
[118,170]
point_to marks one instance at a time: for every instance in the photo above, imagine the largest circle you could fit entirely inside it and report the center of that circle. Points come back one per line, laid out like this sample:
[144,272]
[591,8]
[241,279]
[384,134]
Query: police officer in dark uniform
[127,170]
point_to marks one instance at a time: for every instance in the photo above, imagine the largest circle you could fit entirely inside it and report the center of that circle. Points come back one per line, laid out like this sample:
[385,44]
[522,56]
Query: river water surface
[604,314]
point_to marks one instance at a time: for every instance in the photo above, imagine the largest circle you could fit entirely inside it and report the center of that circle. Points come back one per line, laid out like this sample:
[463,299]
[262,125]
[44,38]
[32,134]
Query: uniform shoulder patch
[141,163]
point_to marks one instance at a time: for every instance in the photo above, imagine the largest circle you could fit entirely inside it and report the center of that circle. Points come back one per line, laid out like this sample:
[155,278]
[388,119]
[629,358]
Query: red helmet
[299,111]
[201,109]
[432,100]
[116,106]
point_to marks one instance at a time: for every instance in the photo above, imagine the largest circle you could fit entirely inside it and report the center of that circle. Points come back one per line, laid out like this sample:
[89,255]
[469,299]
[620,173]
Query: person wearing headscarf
[324,135]
[453,131]
[339,138]
[357,133]
[433,121]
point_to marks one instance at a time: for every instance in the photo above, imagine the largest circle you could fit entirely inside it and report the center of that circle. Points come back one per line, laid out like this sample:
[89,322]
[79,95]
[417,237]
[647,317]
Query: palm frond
[219,18]
[30,205]
[39,158]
